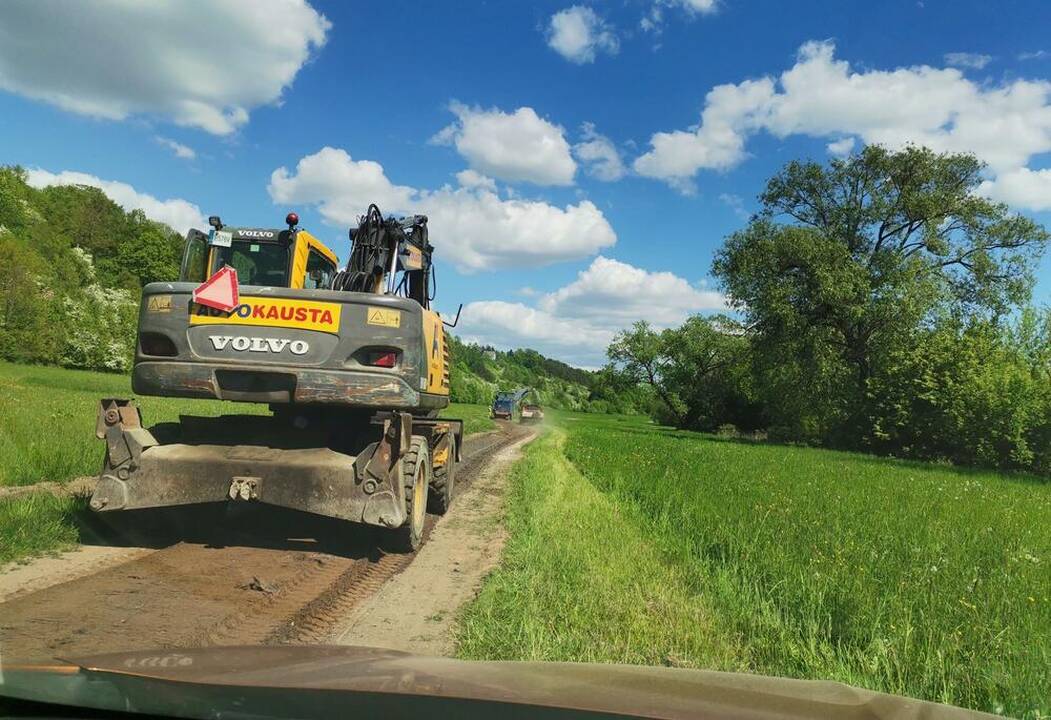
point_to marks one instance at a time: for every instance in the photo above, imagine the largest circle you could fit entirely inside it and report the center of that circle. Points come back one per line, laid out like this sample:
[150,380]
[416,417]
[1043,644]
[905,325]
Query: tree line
[880,304]
[479,372]
[74,263]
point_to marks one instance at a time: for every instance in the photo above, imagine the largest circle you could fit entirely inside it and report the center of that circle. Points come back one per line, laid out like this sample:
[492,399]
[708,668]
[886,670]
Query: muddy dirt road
[261,577]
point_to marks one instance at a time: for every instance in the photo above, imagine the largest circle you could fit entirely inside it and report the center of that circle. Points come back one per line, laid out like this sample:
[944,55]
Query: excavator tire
[416,474]
[443,482]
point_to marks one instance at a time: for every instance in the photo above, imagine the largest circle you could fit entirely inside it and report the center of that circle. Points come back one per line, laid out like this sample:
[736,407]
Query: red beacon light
[291,220]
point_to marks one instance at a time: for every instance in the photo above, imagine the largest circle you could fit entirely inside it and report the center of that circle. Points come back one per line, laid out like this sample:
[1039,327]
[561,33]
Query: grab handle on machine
[456,319]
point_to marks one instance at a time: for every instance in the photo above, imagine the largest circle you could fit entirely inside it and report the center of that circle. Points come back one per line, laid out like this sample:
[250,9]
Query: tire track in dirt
[417,609]
[315,622]
[219,585]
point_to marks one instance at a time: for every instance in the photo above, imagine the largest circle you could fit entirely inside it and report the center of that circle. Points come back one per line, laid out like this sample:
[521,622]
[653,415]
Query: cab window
[320,271]
[195,258]
[256,263]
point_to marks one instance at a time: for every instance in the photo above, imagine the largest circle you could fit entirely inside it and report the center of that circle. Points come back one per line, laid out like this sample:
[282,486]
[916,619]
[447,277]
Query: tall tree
[845,258]
[640,354]
[687,367]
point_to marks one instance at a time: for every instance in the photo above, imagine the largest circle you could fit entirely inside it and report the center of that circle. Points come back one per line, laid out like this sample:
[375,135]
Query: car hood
[320,681]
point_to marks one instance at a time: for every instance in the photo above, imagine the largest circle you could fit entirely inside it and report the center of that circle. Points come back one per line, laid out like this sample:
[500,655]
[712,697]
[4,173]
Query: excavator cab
[291,258]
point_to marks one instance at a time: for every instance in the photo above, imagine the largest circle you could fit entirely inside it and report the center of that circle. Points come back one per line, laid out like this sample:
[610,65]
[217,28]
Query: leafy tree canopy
[848,255]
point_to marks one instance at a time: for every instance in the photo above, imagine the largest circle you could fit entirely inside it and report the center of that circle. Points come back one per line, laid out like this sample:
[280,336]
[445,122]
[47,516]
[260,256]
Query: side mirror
[215,222]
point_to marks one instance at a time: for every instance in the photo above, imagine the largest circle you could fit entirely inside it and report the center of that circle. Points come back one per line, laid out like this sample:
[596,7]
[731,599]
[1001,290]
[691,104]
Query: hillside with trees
[480,372]
[74,263]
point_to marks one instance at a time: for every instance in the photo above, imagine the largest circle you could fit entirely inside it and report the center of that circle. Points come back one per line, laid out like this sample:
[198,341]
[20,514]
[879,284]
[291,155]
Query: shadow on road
[220,525]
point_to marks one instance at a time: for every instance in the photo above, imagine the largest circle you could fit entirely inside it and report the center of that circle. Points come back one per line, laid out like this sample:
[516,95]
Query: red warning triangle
[219,291]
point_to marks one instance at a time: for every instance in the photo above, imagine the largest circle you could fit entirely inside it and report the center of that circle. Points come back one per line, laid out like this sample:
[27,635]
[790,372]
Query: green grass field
[47,420]
[475,417]
[631,543]
[47,432]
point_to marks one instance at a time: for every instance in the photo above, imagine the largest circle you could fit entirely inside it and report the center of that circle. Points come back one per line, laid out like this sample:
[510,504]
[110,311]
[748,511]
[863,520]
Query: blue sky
[560,149]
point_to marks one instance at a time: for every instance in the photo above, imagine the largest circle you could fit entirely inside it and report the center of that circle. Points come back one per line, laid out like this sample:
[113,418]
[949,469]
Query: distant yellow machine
[353,363]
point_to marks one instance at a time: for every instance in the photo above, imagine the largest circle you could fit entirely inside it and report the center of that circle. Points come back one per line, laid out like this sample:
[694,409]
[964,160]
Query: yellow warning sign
[272,312]
[384,317]
[159,303]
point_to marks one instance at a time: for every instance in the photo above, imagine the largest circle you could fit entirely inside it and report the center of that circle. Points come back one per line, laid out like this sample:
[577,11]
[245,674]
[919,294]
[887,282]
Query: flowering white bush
[99,325]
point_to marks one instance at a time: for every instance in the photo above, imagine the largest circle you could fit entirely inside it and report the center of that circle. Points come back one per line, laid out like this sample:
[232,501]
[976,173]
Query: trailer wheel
[416,474]
[443,482]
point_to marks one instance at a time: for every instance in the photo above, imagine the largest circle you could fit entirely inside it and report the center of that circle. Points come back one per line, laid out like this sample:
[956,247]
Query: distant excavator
[522,404]
[353,364]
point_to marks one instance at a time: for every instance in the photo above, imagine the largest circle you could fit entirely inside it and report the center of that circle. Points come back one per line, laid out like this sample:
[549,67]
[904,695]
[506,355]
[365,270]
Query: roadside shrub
[598,406]
[974,394]
[100,329]
[727,430]
[30,310]
[99,325]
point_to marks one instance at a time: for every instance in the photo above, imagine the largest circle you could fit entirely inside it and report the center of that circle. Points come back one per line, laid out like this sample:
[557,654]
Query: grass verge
[579,582]
[633,543]
[37,524]
[47,419]
[475,417]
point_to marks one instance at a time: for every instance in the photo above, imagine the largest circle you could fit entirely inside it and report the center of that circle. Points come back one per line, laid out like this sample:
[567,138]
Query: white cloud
[473,179]
[479,230]
[614,294]
[473,226]
[841,147]
[820,96]
[203,65]
[599,155]
[730,113]
[653,21]
[578,34]
[178,214]
[972,61]
[699,6]
[340,186]
[1037,55]
[181,151]
[735,203]
[1026,188]
[518,146]
[577,322]
[515,325]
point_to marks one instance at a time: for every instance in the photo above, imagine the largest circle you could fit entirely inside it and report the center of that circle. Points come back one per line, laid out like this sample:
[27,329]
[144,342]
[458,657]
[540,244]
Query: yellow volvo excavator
[353,364]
